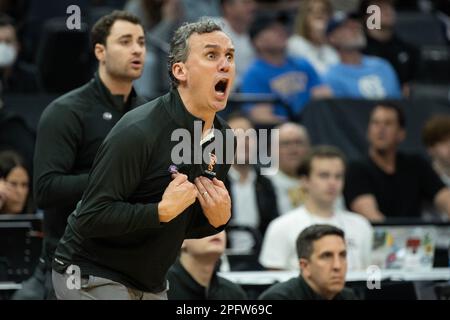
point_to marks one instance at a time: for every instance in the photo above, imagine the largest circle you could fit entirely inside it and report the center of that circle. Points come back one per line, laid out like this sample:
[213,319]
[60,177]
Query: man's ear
[179,71]
[99,51]
[304,266]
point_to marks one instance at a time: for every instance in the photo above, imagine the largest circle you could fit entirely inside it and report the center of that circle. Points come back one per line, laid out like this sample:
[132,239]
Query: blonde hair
[301,20]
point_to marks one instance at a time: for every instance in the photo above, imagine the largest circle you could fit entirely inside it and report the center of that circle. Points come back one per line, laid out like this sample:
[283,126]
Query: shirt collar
[312,295]
[209,136]
[235,176]
[183,118]
[115,100]
[190,282]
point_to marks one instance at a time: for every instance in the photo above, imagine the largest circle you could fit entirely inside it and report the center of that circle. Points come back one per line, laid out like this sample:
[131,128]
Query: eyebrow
[215,46]
[331,252]
[129,36]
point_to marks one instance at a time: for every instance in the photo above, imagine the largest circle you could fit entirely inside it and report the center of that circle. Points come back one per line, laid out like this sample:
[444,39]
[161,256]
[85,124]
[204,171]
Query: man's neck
[115,86]
[385,159]
[316,289]
[290,173]
[382,35]
[187,96]
[201,270]
[319,209]
[243,170]
[350,57]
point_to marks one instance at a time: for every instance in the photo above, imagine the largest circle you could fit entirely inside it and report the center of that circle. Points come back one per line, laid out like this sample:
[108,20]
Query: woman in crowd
[14,184]
[309,40]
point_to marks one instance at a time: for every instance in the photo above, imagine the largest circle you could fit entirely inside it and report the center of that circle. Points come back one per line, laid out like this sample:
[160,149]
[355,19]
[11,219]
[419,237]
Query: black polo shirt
[183,287]
[400,194]
[297,289]
[402,56]
[115,231]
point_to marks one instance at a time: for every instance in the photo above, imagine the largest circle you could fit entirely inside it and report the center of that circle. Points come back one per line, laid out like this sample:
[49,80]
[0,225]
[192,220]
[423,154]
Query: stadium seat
[420,29]
[63,58]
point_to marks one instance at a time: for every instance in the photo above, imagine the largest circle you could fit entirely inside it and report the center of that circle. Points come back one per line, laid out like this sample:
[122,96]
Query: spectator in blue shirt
[293,81]
[358,75]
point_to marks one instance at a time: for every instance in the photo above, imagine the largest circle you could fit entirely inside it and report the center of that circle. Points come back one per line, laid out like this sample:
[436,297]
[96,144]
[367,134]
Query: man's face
[326,267]
[325,181]
[293,146]
[441,152]
[209,70]
[124,53]
[212,245]
[272,40]
[384,132]
[348,36]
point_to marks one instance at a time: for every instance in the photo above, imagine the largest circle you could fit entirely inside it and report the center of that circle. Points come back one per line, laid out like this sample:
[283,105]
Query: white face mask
[8,54]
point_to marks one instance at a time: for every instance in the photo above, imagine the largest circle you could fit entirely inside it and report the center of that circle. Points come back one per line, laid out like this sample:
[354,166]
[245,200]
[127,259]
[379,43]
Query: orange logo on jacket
[212,161]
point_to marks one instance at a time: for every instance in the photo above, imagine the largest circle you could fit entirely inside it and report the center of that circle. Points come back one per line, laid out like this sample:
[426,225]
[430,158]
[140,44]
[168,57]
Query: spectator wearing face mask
[15,76]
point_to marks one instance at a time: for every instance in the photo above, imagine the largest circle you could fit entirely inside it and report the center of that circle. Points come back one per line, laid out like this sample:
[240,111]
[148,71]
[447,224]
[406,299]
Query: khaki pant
[97,288]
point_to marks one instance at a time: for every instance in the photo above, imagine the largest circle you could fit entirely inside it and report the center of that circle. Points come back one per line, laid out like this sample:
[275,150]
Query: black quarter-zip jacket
[115,231]
[298,289]
[182,286]
[70,131]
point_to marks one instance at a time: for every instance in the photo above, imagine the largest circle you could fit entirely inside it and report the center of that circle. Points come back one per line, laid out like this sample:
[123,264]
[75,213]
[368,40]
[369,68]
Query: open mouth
[221,86]
[136,63]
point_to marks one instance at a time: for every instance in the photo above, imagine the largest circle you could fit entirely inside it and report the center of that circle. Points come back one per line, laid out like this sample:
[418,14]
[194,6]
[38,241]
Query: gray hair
[179,46]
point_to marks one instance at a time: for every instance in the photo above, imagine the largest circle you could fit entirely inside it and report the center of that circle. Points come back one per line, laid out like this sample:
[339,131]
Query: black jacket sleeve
[59,133]
[118,169]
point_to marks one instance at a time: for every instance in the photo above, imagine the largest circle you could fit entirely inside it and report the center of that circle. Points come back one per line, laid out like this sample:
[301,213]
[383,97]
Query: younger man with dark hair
[72,128]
